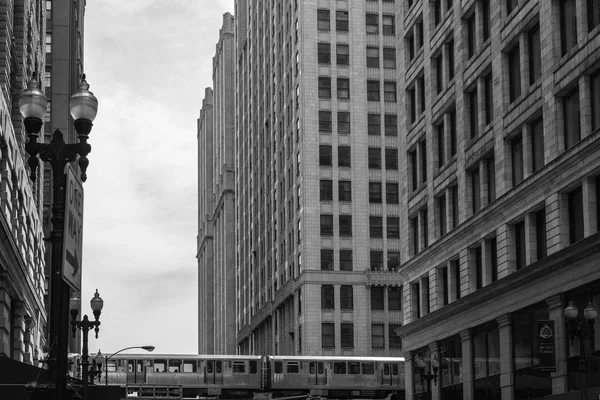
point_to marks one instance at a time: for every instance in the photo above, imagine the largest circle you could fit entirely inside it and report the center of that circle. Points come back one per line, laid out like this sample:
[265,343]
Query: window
[324,53]
[239,367]
[347,335]
[411,93]
[375,227]
[393,264]
[490,167]
[414,232]
[450,48]
[343,122]
[325,155]
[441,214]
[511,5]
[374,156]
[540,234]
[443,283]
[595,94]
[471,36]
[389,58]
[346,298]
[514,73]
[593,12]
[423,159]
[377,298]
[488,88]
[413,169]
[568,25]
[345,190]
[372,21]
[485,11]
[341,21]
[393,227]
[324,88]
[421,93]
[376,260]
[535,55]
[395,340]
[391,125]
[477,255]
[437,12]
[575,199]
[326,190]
[343,88]
[374,192]
[493,256]
[339,368]
[572,118]
[486,361]
[328,335]
[473,113]
[326,260]
[342,54]
[374,124]
[410,45]
[454,203]
[345,260]
[451,376]
[389,25]
[391,159]
[438,62]
[326,225]
[48,79]
[345,225]
[440,140]
[324,121]
[372,57]
[48,43]
[327,297]
[537,144]
[378,336]
[344,159]
[389,92]
[373,90]
[520,244]
[516,149]
[391,193]
[323,22]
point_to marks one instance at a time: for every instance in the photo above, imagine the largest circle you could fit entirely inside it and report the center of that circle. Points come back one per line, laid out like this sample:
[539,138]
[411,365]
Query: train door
[131,371]
[317,373]
[136,373]
[386,377]
[391,374]
[213,372]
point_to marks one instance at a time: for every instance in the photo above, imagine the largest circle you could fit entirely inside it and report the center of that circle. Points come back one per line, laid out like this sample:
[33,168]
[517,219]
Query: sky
[148,62]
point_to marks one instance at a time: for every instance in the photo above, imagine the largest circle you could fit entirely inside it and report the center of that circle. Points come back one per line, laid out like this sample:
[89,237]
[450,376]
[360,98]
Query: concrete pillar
[556,309]
[467,365]
[506,357]
[408,375]
[435,385]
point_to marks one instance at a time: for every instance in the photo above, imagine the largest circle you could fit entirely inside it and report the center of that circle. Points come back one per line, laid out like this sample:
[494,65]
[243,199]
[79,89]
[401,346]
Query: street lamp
[83,107]
[85,325]
[579,330]
[147,348]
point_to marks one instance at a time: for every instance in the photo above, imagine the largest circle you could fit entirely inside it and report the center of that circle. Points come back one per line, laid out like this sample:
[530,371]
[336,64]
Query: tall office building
[318,178]
[22,310]
[501,207]
[216,206]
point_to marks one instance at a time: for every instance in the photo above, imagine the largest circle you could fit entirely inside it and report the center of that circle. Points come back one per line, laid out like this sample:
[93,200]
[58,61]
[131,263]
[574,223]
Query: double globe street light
[83,107]
[582,328]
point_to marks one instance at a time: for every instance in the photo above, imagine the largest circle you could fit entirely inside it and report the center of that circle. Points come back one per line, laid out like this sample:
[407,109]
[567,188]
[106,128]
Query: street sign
[73,230]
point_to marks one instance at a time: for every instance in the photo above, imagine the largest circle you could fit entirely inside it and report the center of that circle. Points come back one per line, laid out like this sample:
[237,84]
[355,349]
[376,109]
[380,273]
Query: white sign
[73,230]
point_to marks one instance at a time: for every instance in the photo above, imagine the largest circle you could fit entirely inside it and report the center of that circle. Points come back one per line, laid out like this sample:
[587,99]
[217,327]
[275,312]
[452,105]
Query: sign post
[547,346]
[73,230]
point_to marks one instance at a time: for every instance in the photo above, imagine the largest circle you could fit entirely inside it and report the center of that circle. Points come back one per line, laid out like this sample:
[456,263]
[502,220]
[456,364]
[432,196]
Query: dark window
[391,159]
[473,113]
[346,297]
[391,125]
[324,53]
[593,12]
[327,297]
[389,25]
[372,21]
[344,156]
[393,227]
[391,193]
[393,264]
[444,276]
[376,260]
[537,144]
[342,54]
[520,244]
[412,104]
[478,267]
[516,149]
[595,92]
[454,194]
[341,20]
[540,233]
[375,227]
[326,190]
[486,364]
[450,47]
[395,340]
[572,118]
[345,190]
[326,225]
[373,90]
[441,212]
[455,265]
[575,215]
[326,260]
[414,169]
[491,179]
[511,5]
[389,57]
[328,335]
[471,36]
[485,10]
[493,249]
[324,121]
[373,57]
[453,142]
[339,368]
[437,12]
[414,224]
[535,55]
[374,124]
[489,98]
[345,225]
[410,46]
[377,297]
[568,25]
[514,73]
[343,88]
[389,92]
[441,143]
[394,298]
[347,335]
[421,91]
[323,23]
[374,158]
[476,190]
[343,122]
[325,155]
[345,260]
[377,336]
[438,61]
[423,159]
[324,87]
[374,192]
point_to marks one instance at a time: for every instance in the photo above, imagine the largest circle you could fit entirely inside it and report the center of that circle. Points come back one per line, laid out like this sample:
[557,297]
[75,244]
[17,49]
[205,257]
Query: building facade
[216,238]
[500,135]
[22,247]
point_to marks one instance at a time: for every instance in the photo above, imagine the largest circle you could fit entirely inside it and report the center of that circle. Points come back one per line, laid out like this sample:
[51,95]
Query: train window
[160,365]
[130,364]
[394,369]
[149,364]
[239,367]
[139,366]
[292,367]
[368,368]
[319,368]
[189,365]
[174,365]
[218,367]
[253,367]
[386,369]
[339,368]
[311,368]
[209,367]
[111,366]
[354,368]
[278,367]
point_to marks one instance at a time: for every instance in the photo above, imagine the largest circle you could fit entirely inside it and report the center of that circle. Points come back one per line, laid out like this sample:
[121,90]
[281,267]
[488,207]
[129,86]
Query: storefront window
[421,366]
[451,368]
[486,361]
[529,381]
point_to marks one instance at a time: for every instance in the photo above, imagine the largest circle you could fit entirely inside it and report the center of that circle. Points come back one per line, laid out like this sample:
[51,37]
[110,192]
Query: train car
[199,375]
[336,377]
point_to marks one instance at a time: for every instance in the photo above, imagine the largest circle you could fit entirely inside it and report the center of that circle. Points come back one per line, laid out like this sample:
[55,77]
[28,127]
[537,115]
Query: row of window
[342,55]
[373,120]
[343,89]
[344,157]
[376,261]
[388,22]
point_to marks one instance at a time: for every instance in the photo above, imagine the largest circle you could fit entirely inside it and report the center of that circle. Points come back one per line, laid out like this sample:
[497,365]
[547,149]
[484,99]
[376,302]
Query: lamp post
[578,329]
[147,348]
[97,367]
[85,325]
[428,372]
[83,107]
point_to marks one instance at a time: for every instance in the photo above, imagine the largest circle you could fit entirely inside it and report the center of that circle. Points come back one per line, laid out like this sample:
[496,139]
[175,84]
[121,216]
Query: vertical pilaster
[467,364]
[506,357]
[556,308]
[408,375]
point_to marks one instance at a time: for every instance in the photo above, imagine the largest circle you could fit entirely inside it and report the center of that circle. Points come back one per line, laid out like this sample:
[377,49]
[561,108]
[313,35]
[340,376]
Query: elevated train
[243,376]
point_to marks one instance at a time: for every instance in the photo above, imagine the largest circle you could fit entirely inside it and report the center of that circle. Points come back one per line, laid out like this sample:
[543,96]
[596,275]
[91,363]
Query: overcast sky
[148,63]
